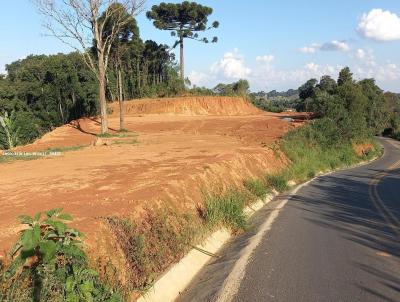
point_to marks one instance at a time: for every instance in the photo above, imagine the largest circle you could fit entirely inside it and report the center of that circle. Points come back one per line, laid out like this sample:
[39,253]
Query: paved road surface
[336,239]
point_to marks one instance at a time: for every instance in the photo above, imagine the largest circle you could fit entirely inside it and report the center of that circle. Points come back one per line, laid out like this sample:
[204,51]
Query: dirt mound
[173,156]
[202,105]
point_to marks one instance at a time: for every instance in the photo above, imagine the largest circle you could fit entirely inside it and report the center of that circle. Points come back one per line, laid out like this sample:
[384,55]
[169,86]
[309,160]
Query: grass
[151,246]
[121,134]
[225,209]
[65,149]
[277,181]
[10,159]
[127,142]
[256,187]
[308,157]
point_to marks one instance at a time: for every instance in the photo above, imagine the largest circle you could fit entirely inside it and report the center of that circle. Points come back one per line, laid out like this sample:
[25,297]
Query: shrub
[225,209]
[48,264]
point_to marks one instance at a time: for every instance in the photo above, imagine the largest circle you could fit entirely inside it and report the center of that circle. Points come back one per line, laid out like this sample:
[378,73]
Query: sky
[273,44]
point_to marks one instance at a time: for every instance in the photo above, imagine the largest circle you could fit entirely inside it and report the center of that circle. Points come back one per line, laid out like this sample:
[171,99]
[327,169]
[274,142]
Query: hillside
[171,158]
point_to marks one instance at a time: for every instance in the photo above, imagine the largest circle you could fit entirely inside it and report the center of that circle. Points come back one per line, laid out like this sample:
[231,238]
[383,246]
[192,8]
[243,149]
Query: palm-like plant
[8,131]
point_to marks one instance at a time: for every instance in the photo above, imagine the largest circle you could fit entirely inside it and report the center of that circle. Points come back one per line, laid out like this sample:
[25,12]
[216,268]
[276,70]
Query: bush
[226,210]
[48,264]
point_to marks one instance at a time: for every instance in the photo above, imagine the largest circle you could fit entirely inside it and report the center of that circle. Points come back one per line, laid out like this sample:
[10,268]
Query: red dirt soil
[184,145]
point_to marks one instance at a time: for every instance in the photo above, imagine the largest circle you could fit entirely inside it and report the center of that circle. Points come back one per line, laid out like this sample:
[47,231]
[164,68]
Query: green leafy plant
[49,264]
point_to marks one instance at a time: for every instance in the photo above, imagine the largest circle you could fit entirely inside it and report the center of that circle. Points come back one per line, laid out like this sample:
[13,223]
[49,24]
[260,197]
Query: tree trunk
[121,102]
[138,75]
[102,96]
[182,61]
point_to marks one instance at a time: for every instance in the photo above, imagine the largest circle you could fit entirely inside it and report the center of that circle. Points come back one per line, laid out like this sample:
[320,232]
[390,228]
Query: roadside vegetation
[48,263]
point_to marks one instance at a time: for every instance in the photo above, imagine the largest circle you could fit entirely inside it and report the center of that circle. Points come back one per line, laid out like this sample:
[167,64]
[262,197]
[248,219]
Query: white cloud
[270,77]
[335,46]
[365,56]
[308,49]
[361,54]
[267,76]
[198,78]
[327,46]
[265,58]
[380,25]
[231,66]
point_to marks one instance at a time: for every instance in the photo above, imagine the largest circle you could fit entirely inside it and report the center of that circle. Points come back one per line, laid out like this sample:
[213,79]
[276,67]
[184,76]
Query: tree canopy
[184,20]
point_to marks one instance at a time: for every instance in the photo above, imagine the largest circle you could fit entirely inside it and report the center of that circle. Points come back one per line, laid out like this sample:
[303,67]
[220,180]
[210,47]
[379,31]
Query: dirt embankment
[190,106]
[184,146]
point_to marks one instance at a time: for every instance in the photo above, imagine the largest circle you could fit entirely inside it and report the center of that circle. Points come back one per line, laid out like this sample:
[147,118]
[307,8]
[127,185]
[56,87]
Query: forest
[42,92]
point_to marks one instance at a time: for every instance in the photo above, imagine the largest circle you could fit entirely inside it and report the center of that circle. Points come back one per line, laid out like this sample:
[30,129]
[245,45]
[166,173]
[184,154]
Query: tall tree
[78,23]
[184,20]
[119,46]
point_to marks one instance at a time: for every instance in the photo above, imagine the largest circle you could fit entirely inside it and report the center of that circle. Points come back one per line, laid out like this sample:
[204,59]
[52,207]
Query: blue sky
[274,44]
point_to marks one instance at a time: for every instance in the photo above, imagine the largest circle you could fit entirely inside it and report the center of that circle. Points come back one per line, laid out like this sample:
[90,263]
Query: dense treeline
[42,92]
[350,109]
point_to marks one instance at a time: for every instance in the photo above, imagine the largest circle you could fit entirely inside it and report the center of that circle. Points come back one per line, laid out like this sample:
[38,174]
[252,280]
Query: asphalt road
[336,239]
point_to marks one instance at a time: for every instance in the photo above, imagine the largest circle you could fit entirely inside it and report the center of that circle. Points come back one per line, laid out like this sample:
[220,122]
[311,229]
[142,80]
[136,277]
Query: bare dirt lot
[183,146]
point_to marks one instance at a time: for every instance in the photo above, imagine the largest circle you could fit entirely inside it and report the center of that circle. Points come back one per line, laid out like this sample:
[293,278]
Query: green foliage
[225,209]
[256,187]
[239,88]
[48,264]
[48,91]
[274,101]
[184,20]
[359,109]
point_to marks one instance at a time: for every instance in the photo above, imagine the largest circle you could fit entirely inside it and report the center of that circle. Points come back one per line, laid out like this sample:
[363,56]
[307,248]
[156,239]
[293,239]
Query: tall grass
[225,209]
[256,187]
[310,151]
[277,181]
